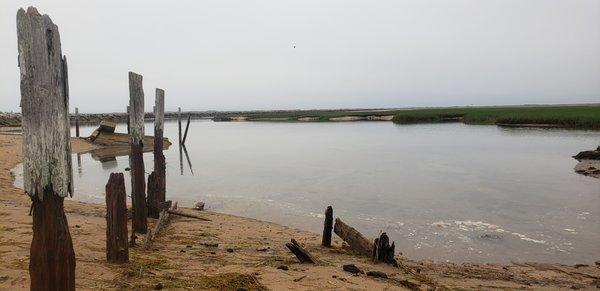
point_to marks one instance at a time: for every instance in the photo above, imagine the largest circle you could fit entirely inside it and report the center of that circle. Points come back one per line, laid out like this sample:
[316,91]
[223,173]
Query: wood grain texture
[136,108]
[44,106]
[117,248]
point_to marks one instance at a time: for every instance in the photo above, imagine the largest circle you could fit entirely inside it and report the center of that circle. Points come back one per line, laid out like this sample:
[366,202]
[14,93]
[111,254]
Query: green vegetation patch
[567,116]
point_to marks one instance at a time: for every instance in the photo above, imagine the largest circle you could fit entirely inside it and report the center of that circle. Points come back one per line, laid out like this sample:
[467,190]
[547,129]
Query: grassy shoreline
[564,116]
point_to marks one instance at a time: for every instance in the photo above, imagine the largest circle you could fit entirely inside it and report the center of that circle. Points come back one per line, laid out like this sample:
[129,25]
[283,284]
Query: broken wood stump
[47,172]
[136,159]
[327,227]
[354,238]
[301,253]
[383,251]
[117,249]
[107,126]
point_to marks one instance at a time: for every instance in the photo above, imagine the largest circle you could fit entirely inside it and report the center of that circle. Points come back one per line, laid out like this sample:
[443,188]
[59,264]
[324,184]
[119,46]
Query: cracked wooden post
[157,179]
[76,122]
[47,173]
[136,158]
[117,248]
[327,227]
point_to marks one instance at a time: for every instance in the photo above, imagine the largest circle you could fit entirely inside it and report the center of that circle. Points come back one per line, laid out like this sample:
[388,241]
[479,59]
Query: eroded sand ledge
[186,255]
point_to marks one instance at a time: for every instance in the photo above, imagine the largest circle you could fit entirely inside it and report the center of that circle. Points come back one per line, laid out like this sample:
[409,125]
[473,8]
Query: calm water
[441,191]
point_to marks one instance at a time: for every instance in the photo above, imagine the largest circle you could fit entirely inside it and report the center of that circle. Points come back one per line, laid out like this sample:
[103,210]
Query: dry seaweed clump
[158,273]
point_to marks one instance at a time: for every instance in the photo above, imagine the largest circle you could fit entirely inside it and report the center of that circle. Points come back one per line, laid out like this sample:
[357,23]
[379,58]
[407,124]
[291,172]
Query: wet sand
[193,254]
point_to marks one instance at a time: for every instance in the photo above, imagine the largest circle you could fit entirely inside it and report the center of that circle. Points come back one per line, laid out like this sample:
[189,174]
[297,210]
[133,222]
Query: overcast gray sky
[232,55]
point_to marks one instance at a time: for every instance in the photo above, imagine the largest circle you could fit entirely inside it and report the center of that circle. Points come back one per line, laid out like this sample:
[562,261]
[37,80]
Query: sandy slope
[186,254]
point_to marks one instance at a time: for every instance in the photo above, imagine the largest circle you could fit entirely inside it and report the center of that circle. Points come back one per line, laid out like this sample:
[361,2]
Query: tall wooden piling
[327,227]
[136,159]
[76,122]
[117,248]
[157,179]
[47,173]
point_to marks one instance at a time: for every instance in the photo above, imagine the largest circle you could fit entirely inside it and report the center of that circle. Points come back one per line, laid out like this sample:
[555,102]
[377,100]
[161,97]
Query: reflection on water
[441,191]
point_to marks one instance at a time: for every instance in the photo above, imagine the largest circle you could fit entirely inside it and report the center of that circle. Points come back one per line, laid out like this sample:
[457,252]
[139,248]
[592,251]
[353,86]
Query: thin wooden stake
[179,122]
[117,248]
[47,172]
[136,159]
[327,227]
[187,126]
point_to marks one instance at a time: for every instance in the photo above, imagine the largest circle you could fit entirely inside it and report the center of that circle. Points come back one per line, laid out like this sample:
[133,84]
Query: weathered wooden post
[187,126]
[327,228]
[117,249]
[47,172]
[136,158]
[76,122]
[157,179]
[179,122]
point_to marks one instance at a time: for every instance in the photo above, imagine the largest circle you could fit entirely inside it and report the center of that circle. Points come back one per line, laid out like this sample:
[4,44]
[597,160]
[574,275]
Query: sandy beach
[230,252]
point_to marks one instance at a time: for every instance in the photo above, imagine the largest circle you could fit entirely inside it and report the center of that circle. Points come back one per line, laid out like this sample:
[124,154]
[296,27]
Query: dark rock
[77,226]
[334,276]
[158,286]
[351,268]
[188,246]
[229,250]
[588,155]
[491,236]
[283,267]
[127,169]
[199,206]
[597,263]
[241,289]
[577,286]
[577,266]
[377,274]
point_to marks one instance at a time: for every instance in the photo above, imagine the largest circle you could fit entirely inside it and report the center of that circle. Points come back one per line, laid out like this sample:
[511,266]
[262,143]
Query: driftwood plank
[47,172]
[183,214]
[327,227]
[163,220]
[136,160]
[301,253]
[117,250]
[354,238]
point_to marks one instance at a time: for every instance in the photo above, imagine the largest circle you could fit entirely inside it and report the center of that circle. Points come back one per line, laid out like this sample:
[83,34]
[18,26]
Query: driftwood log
[355,239]
[136,160]
[383,251]
[163,220]
[183,214]
[327,227]
[301,253]
[47,173]
[117,250]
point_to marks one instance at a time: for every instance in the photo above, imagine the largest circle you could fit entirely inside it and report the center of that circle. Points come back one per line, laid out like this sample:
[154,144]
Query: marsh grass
[574,116]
